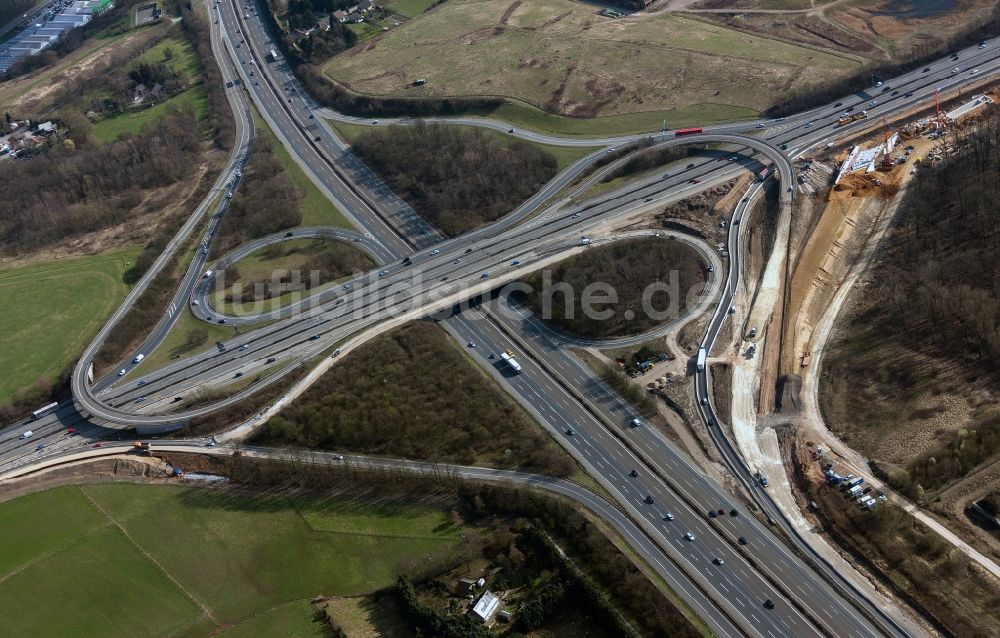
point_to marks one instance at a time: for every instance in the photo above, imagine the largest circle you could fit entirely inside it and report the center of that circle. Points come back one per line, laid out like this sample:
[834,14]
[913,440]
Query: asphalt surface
[454,274]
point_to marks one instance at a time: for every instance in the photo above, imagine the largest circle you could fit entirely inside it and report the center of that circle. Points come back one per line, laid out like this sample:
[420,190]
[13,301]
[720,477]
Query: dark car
[769,604]
[649,499]
[634,473]
[237,375]
[289,234]
[690,165]
[733,512]
[743,540]
[270,359]
[711,513]
[839,104]
[722,512]
[926,70]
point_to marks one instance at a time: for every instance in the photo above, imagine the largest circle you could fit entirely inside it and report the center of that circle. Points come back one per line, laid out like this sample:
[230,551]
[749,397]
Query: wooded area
[265,202]
[412,394]
[628,267]
[60,192]
[458,179]
[935,327]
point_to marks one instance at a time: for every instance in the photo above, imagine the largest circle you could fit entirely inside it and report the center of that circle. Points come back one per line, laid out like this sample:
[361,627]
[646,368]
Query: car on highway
[873,103]
[485,275]
[718,561]
[669,516]
[471,344]
[689,536]
[244,346]
[98,444]
[743,540]
[70,430]
[338,457]
[769,604]
[26,434]
[223,320]
[649,499]
[809,124]
[39,447]
[270,360]
[926,69]
[712,514]
[690,165]
[141,382]
[121,372]
[140,399]
[195,302]
[314,338]
[957,69]
[577,215]
[760,125]
[734,512]
[570,431]
[515,262]
[694,180]
[237,375]
[435,252]
[383,273]
[635,422]
[634,473]
[704,400]
[973,71]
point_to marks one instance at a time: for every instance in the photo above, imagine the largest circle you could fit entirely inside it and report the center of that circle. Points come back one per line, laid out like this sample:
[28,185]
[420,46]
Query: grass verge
[49,312]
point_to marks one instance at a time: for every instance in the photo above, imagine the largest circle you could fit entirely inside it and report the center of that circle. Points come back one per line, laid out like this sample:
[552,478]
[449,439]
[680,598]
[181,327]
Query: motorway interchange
[757,586]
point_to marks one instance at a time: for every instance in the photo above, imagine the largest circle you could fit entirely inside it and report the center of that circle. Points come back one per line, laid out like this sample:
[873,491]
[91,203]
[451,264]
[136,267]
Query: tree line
[628,267]
[264,203]
[411,393]
[456,178]
[62,193]
[516,529]
[823,93]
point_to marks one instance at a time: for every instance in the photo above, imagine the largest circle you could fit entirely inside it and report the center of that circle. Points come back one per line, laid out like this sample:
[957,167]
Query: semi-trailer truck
[508,357]
[702,356]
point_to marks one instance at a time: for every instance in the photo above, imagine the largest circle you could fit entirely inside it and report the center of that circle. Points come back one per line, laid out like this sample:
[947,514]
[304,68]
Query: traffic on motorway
[731,567]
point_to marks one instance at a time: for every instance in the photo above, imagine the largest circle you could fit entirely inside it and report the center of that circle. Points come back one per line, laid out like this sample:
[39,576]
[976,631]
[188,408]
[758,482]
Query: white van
[138,358]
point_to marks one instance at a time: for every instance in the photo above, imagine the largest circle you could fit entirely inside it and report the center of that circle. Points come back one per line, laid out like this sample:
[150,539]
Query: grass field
[49,312]
[293,255]
[189,562]
[409,8]
[183,56]
[317,209]
[109,129]
[560,57]
[177,340]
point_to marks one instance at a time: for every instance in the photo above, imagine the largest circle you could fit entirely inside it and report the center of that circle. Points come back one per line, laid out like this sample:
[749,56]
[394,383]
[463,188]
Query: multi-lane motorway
[587,418]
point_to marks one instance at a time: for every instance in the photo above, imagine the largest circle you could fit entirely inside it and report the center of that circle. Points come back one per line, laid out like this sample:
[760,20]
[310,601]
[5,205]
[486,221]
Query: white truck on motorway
[508,358]
[702,356]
